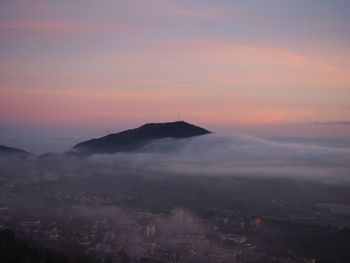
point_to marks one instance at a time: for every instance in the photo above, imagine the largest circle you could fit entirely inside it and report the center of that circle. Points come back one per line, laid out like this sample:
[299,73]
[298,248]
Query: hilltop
[133,139]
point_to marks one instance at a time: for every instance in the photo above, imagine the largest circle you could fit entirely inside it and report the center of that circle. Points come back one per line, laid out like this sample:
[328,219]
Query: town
[112,227]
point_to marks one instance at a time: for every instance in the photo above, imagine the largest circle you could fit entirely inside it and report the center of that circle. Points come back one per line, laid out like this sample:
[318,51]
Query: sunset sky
[113,64]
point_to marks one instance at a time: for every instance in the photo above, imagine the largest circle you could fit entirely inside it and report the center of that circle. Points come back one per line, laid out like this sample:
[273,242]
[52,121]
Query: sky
[85,67]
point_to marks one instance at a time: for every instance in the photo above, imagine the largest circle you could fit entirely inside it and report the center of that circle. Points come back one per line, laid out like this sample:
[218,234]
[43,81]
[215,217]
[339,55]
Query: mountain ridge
[134,139]
[12,151]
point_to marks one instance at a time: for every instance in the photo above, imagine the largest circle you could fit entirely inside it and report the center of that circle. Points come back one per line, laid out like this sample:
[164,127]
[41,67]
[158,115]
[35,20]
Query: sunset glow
[213,62]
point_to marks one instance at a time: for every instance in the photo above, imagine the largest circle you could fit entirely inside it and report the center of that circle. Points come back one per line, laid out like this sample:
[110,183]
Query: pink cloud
[249,64]
[58,106]
[55,27]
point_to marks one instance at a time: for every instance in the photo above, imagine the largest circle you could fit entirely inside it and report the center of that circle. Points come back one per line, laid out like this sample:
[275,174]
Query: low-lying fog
[231,154]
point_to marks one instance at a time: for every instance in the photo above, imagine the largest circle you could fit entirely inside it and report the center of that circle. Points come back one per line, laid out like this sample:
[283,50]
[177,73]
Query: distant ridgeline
[133,139]
[12,152]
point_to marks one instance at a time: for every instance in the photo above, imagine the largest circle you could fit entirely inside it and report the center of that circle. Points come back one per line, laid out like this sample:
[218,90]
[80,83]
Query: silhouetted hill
[134,139]
[9,151]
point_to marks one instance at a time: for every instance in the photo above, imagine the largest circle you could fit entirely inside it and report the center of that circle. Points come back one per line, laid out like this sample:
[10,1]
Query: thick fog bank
[232,154]
[235,155]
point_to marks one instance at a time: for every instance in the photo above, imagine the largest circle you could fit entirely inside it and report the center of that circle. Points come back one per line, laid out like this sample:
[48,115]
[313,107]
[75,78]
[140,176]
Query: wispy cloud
[177,9]
[332,122]
[255,64]
[61,27]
